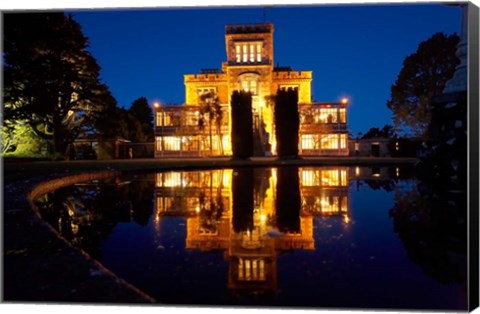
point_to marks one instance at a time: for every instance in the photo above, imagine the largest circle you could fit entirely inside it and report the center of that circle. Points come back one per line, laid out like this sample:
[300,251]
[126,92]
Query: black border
[473,117]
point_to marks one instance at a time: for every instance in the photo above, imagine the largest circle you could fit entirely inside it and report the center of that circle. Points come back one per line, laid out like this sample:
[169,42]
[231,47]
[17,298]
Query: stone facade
[249,67]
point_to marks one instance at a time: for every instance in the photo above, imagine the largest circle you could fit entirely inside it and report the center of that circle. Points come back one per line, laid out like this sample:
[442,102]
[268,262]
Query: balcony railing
[324,152]
[314,128]
[188,130]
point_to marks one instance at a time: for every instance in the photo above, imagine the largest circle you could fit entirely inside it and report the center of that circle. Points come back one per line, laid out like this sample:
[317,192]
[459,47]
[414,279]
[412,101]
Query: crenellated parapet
[249,28]
[196,84]
[288,75]
[205,77]
[300,80]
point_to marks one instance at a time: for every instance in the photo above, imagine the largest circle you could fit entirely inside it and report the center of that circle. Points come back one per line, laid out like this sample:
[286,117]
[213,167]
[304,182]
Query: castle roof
[249,28]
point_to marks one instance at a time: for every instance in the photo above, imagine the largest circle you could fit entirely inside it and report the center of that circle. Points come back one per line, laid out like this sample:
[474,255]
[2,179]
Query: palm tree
[210,107]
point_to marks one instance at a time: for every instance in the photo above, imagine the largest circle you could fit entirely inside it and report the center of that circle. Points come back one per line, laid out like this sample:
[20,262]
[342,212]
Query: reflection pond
[341,237]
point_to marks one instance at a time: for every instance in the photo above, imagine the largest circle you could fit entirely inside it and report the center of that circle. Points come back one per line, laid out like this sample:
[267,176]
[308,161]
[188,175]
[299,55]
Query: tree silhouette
[51,80]
[211,113]
[143,113]
[386,132]
[431,223]
[242,124]
[423,76]
[287,123]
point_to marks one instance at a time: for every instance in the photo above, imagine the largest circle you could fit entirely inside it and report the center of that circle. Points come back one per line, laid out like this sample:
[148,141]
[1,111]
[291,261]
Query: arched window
[249,82]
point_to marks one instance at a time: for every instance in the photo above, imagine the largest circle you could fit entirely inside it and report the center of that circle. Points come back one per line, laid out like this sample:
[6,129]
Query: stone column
[458,83]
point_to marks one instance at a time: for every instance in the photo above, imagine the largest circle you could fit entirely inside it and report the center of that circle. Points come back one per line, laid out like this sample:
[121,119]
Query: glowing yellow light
[357,171]
[156,105]
[274,147]
[263,218]
[227,176]
[274,176]
[346,219]
[376,174]
[74,228]
[197,209]
[344,100]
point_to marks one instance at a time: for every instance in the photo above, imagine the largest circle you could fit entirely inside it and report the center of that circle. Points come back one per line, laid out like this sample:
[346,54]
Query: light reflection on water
[313,236]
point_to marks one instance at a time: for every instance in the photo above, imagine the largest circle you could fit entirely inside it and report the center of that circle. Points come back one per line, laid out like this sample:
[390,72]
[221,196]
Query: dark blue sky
[353,50]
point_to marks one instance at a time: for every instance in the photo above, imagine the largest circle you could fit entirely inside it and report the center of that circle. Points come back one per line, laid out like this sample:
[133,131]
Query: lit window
[344,204]
[327,115]
[238,55]
[343,177]
[190,143]
[172,143]
[165,203]
[158,179]
[251,269]
[334,177]
[253,87]
[206,90]
[308,177]
[245,85]
[248,52]
[240,269]
[226,142]
[169,179]
[329,141]
[330,204]
[307,141]
[343,115]
[262,270]
[248,274]
[158,143]
[171,118]
[343,140]
[158,118]
[191,118]
[250,85]
[330,177]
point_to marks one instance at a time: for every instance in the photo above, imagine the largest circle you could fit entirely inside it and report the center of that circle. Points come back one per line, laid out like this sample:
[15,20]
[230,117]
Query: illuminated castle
[249,67]
[252,237]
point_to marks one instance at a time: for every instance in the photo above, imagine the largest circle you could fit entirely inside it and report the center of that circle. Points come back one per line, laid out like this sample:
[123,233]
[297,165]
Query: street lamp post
[156,106]
[344,102]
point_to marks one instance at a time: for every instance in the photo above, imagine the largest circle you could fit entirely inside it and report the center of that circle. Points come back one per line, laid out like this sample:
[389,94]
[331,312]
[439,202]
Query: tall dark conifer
[242,197]
[242,124]
[287,123]
[287,201]
[143,113]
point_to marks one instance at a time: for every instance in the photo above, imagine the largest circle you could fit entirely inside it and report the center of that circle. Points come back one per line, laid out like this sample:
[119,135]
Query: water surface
[341,237]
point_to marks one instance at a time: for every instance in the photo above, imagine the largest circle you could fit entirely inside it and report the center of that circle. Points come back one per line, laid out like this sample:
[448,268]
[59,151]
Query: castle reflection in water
[252,214]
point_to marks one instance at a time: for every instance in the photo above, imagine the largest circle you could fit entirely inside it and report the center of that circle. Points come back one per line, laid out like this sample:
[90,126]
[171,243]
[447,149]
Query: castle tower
[249,66]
